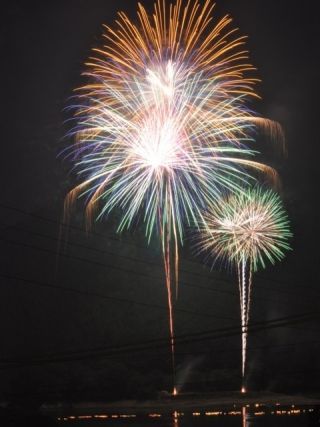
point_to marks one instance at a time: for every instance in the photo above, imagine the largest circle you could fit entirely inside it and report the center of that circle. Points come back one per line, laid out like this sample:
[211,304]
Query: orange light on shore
[243,390]
[174,392]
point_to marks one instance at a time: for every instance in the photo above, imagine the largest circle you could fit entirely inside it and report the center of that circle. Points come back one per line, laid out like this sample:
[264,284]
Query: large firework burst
[248,229]
[162,122]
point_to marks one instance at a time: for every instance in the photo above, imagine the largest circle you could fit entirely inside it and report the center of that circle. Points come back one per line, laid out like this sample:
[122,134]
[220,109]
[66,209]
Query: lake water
[303,417]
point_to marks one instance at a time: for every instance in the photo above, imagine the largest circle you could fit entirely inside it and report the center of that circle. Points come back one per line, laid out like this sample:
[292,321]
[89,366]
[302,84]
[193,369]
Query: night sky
[68,298]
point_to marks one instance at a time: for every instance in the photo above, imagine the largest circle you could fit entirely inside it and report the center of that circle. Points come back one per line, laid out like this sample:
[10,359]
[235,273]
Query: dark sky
[43,48]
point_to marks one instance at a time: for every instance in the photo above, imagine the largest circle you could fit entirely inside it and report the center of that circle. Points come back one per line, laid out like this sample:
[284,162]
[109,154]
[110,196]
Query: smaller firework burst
[247,229]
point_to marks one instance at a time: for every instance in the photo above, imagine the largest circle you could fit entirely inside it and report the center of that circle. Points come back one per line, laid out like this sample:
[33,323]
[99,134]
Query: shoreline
[190,403]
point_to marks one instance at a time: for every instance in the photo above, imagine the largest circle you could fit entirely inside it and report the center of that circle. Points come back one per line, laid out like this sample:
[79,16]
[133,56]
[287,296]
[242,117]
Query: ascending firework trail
[246,229]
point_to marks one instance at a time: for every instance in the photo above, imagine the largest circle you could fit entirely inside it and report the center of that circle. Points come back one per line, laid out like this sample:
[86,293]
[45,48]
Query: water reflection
[256,414]
[175,419]
[246,418]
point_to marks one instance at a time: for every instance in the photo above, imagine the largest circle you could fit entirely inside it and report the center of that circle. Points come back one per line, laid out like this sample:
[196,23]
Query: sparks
[162,124]
[247,229]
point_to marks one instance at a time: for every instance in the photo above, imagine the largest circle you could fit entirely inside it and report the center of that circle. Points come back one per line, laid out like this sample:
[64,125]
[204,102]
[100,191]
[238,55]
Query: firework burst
[248,229]
[162,123]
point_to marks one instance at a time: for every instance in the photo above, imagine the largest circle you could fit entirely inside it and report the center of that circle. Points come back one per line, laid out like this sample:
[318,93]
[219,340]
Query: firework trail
[247,229]
[162,126]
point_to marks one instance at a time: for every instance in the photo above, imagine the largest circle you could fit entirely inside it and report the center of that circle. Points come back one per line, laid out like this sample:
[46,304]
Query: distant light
[243,390]
[234,413]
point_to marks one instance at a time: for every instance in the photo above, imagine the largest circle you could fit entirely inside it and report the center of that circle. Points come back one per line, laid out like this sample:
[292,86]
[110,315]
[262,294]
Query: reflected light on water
[244,416]
[247,413]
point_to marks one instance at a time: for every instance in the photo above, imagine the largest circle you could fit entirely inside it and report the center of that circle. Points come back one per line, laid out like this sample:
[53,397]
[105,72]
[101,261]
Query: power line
[102,295]
[77,291]
[105,252]
[108,297]
[94,294]
[180,340]
[280,348]
[292,318]
[252,348]
[104,265]
[154,306]
[77,228]
[130,271]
